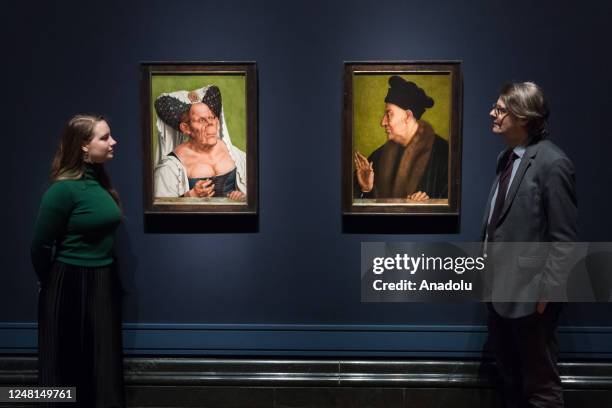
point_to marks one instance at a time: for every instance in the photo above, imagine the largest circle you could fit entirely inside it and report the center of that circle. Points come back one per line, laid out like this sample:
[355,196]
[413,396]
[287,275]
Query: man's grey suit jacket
[540,208]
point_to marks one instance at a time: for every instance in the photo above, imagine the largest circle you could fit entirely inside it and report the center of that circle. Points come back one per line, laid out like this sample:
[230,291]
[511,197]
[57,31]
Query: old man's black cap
[407,95]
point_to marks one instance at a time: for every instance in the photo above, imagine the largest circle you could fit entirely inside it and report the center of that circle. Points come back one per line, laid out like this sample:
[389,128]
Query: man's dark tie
[504,180]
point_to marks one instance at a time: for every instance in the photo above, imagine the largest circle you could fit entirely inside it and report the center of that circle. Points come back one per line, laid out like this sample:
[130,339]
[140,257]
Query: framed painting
[401,148]
[200,138]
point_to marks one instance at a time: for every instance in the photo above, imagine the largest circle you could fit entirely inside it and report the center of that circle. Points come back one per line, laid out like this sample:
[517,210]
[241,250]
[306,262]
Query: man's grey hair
[525,100]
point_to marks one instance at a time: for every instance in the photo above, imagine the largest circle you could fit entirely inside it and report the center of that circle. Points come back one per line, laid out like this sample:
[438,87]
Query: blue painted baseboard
[314,340]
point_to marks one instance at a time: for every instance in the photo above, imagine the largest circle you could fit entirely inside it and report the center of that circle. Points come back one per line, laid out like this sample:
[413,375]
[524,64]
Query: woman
[79,322]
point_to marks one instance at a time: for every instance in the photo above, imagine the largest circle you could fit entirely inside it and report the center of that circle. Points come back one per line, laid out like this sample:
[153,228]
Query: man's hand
[540,307]
[236,195]
[202,188]
[418,196]
[364,172]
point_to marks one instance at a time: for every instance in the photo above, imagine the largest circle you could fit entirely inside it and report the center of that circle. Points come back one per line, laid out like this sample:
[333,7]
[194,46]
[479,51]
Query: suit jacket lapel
[485,219]
[530,153]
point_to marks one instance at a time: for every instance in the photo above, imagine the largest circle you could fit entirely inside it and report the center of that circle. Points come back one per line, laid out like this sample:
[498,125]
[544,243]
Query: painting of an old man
[412,164]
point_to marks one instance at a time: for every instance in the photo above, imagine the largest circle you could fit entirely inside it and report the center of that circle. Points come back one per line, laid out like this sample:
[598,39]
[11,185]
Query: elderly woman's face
[203,125]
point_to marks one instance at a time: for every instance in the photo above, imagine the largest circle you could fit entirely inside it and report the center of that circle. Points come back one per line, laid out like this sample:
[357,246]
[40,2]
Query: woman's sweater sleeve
[53,215]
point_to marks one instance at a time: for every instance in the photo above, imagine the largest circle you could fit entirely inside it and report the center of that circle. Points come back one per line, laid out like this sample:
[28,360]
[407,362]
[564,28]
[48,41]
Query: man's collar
[520,150]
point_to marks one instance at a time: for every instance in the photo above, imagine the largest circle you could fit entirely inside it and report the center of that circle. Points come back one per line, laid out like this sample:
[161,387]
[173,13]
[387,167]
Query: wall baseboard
[329,341]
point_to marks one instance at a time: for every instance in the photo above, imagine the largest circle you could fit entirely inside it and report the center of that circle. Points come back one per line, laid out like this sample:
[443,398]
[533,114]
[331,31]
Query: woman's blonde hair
[70,159]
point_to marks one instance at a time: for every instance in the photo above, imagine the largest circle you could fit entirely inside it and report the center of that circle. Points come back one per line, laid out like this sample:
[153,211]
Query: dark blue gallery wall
[299,268]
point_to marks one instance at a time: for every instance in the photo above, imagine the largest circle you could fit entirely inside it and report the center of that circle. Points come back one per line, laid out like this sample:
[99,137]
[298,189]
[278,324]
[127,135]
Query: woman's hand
[418,196]
[236,195]
[364,172]
[202,188]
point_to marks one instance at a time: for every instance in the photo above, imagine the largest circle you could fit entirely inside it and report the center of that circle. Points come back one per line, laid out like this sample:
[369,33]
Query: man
[413,163]
[532,200]
[207,164]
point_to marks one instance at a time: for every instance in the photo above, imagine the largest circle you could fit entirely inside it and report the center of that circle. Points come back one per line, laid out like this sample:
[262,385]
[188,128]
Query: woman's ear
[85,148]
[184,128]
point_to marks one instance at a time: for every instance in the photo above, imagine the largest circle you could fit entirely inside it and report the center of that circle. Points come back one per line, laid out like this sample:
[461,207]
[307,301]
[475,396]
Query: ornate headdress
[171,107]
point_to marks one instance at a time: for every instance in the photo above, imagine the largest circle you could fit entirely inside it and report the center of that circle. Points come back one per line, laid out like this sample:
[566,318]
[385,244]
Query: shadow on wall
[127,264]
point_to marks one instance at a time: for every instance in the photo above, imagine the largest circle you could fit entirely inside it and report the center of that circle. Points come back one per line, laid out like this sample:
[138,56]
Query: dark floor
[169,382]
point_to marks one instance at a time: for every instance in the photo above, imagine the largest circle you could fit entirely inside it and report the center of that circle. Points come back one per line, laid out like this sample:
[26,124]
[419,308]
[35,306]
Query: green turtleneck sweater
[78,219]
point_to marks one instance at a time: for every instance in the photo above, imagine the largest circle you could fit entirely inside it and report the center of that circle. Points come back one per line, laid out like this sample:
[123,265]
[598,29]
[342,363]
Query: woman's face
[203,126]
[100,148]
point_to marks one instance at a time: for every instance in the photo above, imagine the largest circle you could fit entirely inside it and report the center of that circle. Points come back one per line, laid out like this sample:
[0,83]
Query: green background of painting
[369,91]
[233,97]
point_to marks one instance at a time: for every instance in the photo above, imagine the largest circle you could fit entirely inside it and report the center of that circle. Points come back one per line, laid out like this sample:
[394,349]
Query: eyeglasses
[498,110]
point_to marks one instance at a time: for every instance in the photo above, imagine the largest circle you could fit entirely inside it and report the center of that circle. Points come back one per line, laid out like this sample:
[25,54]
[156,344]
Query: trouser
[526,357]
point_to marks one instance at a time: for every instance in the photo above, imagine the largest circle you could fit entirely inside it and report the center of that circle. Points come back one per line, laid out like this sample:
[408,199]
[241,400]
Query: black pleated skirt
[79,334]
